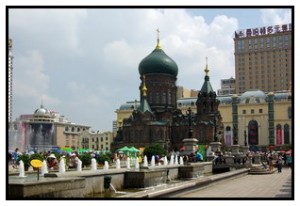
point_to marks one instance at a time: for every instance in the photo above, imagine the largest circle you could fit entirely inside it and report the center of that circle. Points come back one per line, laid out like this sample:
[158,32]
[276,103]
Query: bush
[26,160]
[36,156]
[103,157]
[154,150]
[86,159]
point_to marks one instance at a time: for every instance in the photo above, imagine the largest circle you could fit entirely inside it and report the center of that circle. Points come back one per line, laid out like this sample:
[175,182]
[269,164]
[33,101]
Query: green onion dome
[158,62]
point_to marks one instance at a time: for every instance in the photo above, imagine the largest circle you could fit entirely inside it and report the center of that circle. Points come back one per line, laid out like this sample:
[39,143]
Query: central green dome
[158,62]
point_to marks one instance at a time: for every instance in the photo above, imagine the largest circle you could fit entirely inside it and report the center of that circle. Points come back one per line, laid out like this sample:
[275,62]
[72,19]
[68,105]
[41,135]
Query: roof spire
[144,88]
[42,105]
[144,106]
[206,70]
[158,44]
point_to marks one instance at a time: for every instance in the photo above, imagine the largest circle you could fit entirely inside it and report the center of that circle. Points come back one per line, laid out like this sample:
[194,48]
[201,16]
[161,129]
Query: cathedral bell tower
[159,72]
[207,103]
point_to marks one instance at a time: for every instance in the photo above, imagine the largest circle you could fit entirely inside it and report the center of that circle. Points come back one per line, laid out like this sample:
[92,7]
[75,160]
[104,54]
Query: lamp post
[190,122]
[216,139]
[245,136]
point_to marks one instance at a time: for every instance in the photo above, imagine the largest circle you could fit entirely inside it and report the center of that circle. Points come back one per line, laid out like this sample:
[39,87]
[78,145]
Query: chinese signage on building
[263,30]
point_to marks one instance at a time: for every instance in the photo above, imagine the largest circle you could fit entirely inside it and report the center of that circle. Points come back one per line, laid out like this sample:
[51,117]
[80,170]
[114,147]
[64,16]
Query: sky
[83,63]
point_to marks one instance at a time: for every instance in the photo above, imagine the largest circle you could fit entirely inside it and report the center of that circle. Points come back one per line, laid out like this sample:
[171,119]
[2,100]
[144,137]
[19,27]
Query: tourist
[270,161]
[199,157]
[52,162]
[15,157]
[289,160]
[279,163]
[72,161]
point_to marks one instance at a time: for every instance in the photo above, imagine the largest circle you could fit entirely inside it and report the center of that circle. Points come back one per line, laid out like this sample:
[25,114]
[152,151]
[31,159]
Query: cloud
[30,83]
[276,16]
[85,62]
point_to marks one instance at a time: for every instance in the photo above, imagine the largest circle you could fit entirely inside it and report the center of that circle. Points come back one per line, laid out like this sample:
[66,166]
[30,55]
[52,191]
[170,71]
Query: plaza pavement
[269,186]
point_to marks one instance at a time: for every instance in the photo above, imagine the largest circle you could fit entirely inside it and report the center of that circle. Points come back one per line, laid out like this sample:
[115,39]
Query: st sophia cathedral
[157,120]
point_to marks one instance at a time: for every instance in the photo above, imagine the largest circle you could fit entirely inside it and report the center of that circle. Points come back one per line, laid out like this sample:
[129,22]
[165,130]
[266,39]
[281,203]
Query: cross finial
[158,45]
[206,67]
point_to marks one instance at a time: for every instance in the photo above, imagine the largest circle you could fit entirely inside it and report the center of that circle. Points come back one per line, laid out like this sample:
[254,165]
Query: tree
[86,159]
[103,157]
[154,150]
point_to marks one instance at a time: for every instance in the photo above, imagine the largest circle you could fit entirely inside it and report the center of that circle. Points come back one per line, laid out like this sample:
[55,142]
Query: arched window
[228,135]
[204,107]
[164,98]
[253,132]
[278,134]
[286,134]
[169,98]
[157,98]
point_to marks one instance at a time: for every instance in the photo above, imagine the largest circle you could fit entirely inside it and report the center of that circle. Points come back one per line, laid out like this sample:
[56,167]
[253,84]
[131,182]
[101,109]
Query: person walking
[279,163]
[15,157]
[289,160]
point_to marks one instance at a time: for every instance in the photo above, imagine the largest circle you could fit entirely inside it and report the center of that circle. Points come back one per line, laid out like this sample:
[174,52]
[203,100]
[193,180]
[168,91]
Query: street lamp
[215,132]
[190,122]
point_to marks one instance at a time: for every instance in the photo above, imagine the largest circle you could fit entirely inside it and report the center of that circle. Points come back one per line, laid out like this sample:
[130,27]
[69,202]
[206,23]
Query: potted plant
[103,157]
[86,159]
[26,160]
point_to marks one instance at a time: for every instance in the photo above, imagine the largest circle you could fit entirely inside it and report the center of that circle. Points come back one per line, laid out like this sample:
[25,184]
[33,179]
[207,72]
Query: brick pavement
[275,185]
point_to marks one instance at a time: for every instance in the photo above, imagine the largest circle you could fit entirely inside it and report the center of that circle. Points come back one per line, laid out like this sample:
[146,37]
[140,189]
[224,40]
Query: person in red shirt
[52,162]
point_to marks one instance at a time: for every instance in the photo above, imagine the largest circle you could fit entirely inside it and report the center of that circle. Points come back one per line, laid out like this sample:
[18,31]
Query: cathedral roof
[42,111]
[158,62]
[253,96]
[144,103]
[206,87]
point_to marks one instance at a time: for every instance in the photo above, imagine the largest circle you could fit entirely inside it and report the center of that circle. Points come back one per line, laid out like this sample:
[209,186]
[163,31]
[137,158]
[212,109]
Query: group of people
[278,160]
[71,160]
[53,163]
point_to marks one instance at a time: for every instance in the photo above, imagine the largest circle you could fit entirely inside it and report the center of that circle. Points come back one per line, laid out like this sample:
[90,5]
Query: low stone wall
[89,182]
[20,188]
[194,170]
[145,178]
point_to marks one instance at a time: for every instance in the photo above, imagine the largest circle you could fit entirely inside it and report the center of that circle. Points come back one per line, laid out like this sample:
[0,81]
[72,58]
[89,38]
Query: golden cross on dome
[158,45]
[206,68]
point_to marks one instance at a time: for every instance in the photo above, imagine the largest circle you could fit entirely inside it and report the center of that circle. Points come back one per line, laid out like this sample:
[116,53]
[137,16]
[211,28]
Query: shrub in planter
[86,159]
[36,156]
[26,160]
[103,157]
[154,150]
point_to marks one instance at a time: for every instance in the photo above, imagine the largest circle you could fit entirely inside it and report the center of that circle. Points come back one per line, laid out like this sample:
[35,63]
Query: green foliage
[154,150]
[25,158]
[103,157]
[36,156]
[86,159]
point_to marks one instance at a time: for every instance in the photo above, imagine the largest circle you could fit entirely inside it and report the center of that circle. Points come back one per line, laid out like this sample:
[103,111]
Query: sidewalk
[276,185]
